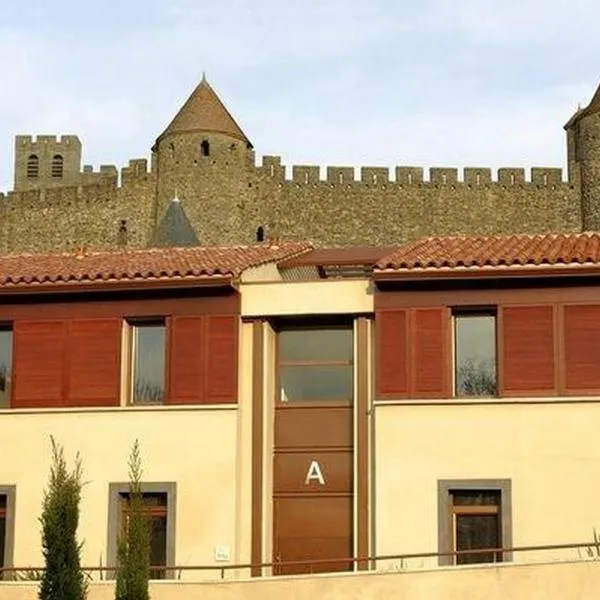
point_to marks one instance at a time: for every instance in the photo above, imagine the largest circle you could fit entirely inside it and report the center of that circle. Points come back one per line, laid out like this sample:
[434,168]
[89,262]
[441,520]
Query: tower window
[56,169]
[260,234]
[33,166]
[205,148]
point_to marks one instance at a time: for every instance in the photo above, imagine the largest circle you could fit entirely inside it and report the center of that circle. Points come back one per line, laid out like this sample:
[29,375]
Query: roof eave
[167,132]
[55,287]
[479,273]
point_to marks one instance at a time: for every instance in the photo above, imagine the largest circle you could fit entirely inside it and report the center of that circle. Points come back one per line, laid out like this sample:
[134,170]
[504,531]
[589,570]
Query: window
[205,148]
[147,362]
[7,508]
[6,343]
[475,354]
[33,166]
[316,363]
[159,504]
[56,168]
[474,515]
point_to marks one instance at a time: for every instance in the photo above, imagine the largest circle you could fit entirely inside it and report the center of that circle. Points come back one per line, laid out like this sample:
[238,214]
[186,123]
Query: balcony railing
[590,550]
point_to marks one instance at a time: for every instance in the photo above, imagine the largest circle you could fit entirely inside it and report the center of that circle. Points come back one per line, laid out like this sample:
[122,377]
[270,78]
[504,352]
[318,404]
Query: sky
[331,82]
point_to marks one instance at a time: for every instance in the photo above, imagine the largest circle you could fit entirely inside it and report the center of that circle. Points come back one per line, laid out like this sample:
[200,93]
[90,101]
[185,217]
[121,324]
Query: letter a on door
[314,474]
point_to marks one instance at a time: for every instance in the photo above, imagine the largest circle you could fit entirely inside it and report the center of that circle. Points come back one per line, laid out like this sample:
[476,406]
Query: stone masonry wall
[228,205]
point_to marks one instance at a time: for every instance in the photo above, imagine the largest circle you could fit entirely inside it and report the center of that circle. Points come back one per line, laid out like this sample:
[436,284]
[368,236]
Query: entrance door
[313,454]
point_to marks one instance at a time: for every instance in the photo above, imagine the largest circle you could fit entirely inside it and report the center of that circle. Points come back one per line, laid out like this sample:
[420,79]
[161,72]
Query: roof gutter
[54,287]
[483,273]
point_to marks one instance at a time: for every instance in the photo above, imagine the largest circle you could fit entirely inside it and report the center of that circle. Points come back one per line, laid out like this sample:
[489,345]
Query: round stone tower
[583,148]
[205,159]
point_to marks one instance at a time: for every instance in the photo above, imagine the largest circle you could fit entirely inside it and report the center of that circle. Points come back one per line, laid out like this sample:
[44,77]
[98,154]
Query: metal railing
[359,563]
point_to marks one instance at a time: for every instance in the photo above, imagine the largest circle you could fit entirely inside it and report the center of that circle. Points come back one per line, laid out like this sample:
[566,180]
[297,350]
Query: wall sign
[314,473]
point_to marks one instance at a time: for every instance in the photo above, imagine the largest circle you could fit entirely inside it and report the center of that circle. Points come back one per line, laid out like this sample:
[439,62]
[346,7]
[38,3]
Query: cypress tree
[63,578]
[133,551]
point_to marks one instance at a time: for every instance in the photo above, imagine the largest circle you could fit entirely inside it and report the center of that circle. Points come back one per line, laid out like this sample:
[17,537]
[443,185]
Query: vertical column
[363,335]
[257,444]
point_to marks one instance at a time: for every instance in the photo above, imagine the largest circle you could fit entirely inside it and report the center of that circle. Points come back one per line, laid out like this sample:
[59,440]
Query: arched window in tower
[56,169]
[260,234]
[33,166]
[205,148]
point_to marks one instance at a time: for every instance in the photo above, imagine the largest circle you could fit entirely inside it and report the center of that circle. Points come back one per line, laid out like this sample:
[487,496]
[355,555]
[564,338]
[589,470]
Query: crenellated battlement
[54,140]
[271,167]
[135,172]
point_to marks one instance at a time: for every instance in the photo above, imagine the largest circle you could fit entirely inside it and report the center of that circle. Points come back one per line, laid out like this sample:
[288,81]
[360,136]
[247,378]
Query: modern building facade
[309,409]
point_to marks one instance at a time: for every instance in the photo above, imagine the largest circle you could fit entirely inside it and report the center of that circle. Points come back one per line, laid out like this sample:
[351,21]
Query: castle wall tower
[583,148]
[46,161]
[206,160]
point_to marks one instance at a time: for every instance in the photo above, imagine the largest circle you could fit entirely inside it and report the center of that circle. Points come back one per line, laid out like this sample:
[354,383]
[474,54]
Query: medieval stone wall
[227,198]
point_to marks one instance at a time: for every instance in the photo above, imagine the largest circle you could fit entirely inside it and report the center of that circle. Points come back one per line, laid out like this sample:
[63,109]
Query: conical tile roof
[175,229]
[204,111]
[592,108]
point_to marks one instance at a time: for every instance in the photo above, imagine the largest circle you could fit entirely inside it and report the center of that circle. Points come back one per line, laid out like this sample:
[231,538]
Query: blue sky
[356,82]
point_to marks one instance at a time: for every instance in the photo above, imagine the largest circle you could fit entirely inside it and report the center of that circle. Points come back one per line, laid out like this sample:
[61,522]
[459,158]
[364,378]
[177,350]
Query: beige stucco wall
[195,448]
[351,296]
[548,450]
[560,581]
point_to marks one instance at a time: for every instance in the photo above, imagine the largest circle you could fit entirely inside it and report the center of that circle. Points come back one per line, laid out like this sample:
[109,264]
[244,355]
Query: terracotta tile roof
[204,111]
[495,251]
[156,264]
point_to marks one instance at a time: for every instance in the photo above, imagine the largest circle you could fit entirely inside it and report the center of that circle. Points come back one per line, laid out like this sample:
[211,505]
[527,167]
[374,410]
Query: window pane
[477,531]
[149,363]
[475,355]
[316,383]
[317,345]
[5,366]
[158,546]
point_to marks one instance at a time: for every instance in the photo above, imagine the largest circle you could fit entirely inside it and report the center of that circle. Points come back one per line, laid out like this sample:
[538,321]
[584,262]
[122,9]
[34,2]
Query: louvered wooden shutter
[582,349]
[94,368]
[430,353]
[187,359]
[222,359]
[391,331]
[39,364]
[528,350]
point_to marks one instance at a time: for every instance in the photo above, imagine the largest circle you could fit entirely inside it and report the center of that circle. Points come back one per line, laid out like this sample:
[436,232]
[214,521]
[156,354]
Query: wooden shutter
[430,353]
[222,359]
[187,357]
[528,350]
[391,331]
[94,368]
[39,364]
[582,349]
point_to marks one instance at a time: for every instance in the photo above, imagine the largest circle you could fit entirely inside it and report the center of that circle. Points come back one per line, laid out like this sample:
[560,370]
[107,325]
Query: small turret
[583,151]
[204,156]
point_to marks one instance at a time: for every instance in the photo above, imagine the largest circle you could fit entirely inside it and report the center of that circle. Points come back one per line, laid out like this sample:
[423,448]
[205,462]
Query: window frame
[466,312]
[32,167]
[57,166]
[446,525]
[131,323]
[313,325]
[7,326]
[10,492]
[116,491]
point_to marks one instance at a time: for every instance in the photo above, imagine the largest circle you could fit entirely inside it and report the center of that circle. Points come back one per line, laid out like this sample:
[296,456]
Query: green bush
[133,552]
[63,578]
